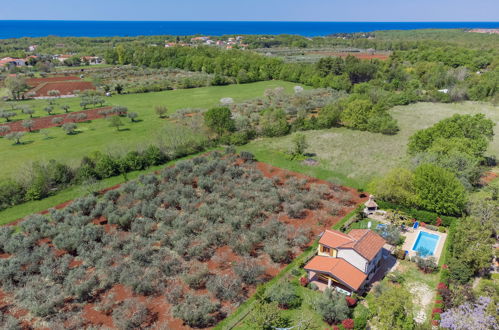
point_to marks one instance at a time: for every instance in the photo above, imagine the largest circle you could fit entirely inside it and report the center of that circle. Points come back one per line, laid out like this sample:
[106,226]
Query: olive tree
[69,128]
[133,116]
[7,115]
[28,111]
[115,121]
[65,107]
[15,136]
[161,110]
[49,109]
[28,124]
[4,130]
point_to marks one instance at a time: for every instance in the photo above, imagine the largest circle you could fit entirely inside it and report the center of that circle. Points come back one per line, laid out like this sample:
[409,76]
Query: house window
[326,249]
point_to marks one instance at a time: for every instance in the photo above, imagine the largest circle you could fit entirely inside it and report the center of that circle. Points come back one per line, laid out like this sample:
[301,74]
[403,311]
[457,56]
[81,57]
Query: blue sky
[278,10]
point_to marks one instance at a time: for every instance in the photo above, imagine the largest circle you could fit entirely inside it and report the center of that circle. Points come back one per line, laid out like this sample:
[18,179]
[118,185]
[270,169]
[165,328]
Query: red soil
[65,88]
[46,122]
[33,82]
[488,177]
[220,263]
[362,56]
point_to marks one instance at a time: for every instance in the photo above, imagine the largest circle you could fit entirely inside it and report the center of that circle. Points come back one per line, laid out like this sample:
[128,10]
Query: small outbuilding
[370,206]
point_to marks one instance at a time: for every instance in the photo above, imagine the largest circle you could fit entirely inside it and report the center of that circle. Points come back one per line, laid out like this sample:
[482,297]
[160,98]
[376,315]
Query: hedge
[421,215]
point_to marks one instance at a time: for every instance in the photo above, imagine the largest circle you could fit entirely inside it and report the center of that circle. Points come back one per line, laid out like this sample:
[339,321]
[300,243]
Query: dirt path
[422,298]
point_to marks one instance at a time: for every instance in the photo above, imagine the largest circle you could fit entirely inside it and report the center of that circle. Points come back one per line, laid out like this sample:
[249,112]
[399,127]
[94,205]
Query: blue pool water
[426,243]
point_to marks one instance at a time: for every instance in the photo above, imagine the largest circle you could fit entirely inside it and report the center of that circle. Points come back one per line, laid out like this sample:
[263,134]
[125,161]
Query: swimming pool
[426,243]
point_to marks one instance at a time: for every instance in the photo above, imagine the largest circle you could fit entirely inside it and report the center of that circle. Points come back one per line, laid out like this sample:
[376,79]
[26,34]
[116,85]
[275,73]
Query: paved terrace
[412,234]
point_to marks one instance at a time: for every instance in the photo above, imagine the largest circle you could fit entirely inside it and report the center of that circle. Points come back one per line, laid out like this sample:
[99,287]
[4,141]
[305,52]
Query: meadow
[353,157]
[54,143]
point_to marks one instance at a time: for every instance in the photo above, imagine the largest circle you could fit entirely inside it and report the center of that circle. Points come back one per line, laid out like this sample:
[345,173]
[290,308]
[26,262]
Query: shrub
[313,286]
[303,281]
[225,287]
[348,324]
[361,316]
[249,270]
[427,265]
[197,277]
[400,254]
[396,277]
[247,156]
[284,293]
[131,314]
[174,293]
[331,306]
[294,210]
[278,250]
[196,311]
[351,302]
[267,316]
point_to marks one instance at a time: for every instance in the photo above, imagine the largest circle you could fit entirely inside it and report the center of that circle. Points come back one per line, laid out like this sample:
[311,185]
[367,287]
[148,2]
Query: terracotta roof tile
[338,268]
[334,238]
[364,241]
[368,242]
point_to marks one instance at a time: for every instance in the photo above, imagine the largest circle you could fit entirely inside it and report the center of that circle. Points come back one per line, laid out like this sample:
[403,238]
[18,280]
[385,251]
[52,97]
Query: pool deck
[412,235]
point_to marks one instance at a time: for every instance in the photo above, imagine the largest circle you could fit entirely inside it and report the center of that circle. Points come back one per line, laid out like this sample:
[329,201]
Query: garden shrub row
[427,217]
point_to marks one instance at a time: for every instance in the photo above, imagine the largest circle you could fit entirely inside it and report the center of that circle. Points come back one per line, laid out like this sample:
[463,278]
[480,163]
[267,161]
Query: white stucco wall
[353,258]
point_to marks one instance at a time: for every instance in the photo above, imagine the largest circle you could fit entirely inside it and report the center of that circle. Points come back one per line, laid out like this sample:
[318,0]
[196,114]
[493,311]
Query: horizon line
[242,21]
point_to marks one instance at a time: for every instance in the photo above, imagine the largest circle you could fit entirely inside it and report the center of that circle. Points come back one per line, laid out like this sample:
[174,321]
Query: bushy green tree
[467,133]
[283,293]
[267,316]
[393,308]
[357,113]
[273,122]
[219,120]
[300,144]
[396,187]
[439,190]
[332,306]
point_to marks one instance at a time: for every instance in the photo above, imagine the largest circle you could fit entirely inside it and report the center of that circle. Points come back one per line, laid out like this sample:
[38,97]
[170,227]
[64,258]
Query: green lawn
[3,92]
[97,135]
[353,157]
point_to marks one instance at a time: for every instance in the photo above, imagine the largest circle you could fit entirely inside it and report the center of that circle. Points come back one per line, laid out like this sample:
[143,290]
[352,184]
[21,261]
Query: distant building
[92,60]
[12,61]
[32,48]
[199,39]
[62,58]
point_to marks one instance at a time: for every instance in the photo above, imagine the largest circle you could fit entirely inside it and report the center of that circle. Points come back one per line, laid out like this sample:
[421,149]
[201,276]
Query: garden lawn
[98,136]
[422,287]
[3,92]
[354,158]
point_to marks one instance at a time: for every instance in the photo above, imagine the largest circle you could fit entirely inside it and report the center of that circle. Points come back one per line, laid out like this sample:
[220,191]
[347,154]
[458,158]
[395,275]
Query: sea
[19,29]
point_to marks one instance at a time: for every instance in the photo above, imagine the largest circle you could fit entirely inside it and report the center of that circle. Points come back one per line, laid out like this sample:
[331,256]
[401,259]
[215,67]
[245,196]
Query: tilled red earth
[220,262]
[46,122]
[64,88]
[33,82]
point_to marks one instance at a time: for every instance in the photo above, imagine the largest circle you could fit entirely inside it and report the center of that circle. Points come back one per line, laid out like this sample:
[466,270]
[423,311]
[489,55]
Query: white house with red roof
[12,61]
[346,262]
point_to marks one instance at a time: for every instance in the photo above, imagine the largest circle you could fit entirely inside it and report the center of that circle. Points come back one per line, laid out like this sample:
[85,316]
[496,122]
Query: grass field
[98,136]
[353,157]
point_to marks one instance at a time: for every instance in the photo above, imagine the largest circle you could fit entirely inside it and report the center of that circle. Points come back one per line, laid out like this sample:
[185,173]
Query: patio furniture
[416,225]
